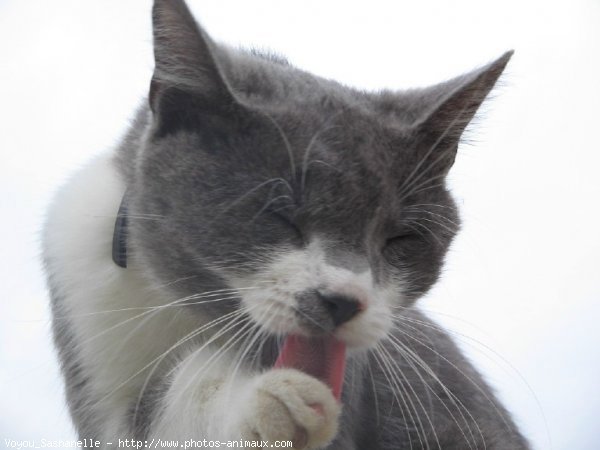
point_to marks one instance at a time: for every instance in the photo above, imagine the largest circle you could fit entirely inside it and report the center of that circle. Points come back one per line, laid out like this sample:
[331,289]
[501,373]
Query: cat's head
[321,207]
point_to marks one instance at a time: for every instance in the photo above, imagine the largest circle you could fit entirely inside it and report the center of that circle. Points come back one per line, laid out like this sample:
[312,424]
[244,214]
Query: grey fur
[366,170]
[76,381]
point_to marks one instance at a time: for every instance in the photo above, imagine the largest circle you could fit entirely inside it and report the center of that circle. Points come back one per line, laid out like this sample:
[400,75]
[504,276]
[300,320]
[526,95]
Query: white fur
[296,271]
[78,245]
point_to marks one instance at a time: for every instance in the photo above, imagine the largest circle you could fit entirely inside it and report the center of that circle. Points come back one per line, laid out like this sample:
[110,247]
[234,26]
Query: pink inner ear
[323,358]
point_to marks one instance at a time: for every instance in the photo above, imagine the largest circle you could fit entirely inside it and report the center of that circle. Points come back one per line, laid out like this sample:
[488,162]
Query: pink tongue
[323,358]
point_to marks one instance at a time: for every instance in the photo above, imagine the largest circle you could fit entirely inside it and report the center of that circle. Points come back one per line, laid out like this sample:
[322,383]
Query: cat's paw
[288,405]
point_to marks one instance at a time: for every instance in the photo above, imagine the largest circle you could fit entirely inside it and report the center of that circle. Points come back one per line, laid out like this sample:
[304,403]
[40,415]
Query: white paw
[288,405]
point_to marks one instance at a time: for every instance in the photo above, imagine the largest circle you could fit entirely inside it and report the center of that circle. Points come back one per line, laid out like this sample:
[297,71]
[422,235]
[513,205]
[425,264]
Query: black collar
[119,244]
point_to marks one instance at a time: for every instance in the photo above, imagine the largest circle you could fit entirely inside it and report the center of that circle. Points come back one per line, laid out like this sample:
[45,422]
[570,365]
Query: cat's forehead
[262,79]
[349,153]
[271,83]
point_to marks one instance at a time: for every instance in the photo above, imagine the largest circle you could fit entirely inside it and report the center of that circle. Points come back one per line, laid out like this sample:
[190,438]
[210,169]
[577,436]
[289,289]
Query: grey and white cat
[262,208]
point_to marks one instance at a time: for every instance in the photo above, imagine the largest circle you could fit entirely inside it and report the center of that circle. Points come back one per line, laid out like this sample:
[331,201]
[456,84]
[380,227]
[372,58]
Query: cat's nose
[341,308]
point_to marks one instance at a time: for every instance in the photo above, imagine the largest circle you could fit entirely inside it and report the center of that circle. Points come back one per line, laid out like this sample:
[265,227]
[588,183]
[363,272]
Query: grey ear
[185,62]
[449,107]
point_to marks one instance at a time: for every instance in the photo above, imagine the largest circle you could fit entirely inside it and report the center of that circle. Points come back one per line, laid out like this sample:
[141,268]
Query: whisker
[305,161]
[397,389]
[179,342]
[466,339]
[422,187]
[394,364]
[246,195]
[230,318]
[431,213]
[151,312]
[178,302]
[269,203]
[249,344]
[375,396]
[429,230]
[286,142]
[460,371]
[238,335]
[409,354]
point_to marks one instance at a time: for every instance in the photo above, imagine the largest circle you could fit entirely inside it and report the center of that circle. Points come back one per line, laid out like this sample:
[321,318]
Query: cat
[246,264]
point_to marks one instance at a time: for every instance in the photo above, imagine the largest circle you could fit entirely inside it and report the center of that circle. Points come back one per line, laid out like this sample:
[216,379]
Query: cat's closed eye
[397,247]
[283,217]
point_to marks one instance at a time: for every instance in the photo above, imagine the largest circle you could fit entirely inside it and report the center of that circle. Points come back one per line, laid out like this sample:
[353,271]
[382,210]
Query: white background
[522,281]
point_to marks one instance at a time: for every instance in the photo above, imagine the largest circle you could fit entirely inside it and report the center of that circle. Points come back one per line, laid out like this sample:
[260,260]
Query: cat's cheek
[269,310]
[367,329]
[275,318]
[376,322]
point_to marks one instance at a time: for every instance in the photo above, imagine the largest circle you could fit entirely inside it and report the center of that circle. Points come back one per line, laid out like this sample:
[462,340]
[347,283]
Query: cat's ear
[186,73]
[450,107]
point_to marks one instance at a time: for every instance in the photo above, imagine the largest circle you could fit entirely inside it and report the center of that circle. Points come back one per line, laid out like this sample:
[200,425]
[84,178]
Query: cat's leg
[279,404]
